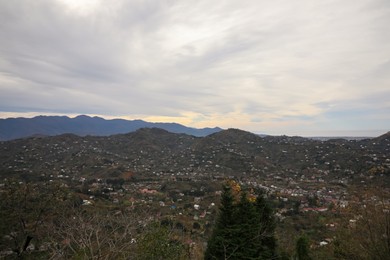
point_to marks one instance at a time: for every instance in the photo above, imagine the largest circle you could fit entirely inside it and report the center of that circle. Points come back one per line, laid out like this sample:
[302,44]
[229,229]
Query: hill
[149,151]
[14,128]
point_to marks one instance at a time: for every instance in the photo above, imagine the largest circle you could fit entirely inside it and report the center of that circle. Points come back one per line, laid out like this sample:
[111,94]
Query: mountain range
[15,128]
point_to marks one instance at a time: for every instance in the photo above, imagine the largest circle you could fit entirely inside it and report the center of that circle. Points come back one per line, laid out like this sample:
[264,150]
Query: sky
[280,67]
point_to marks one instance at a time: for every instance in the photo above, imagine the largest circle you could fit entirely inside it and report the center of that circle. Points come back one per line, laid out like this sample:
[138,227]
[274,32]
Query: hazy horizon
[345,133]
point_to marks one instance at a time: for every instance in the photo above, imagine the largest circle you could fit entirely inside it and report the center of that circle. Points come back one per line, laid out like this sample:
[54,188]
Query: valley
[313,185]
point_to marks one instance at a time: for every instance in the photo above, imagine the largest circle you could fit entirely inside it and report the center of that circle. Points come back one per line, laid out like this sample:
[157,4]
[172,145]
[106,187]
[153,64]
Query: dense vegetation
[244,228]
[50,222]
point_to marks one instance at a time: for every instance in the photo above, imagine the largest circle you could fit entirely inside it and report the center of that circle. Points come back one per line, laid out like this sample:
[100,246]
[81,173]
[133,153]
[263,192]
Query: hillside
[315,187]
[148,151]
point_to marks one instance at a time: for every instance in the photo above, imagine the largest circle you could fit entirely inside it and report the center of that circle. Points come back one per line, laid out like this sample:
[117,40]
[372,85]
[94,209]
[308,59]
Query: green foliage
[244,230]
[221,242]
[313,201]
[302,248]
[157,243]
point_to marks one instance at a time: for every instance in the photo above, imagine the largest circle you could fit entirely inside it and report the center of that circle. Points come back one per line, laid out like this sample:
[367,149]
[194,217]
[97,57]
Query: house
[87,202]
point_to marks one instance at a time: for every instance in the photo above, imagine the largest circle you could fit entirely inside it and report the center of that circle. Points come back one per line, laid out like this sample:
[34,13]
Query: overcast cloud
[278,67]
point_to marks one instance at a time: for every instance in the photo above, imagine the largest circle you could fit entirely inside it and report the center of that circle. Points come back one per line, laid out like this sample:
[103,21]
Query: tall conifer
[220,245]
[244,229]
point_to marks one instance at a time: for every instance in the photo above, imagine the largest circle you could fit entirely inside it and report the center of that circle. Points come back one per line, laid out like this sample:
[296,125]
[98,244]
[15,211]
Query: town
[179,178]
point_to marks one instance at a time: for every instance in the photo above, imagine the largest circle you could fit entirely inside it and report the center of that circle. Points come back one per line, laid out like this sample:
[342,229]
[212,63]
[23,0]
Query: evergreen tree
[302,249]
[220,245]
[244,230]
[247,239]
[265,228]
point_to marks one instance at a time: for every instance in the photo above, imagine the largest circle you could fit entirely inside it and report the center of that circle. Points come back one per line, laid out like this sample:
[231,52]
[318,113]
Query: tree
[265,227]
[24,211]
[244,229]
[369,236]
[220,244]
[93,234]
[157,242]
[302,248]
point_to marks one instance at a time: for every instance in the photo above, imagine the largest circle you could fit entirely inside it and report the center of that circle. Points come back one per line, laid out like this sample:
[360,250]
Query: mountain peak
[82,117]
[233,133]
[85,125]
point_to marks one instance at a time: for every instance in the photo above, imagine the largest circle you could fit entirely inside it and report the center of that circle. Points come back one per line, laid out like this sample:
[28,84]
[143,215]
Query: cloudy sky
[298,67]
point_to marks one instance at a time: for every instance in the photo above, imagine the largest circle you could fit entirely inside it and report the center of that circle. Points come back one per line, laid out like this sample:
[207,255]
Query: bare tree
[95,234]
[367,236]
[24,208]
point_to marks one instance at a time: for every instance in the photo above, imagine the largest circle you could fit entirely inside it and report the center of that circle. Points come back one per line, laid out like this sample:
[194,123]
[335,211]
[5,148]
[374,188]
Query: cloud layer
[278,67]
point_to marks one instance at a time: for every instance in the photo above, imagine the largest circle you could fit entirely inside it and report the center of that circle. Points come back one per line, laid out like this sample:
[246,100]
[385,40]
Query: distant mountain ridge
[15,128]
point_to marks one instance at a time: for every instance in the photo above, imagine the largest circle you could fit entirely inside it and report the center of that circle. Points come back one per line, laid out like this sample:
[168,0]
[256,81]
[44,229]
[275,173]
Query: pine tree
[220,244]
[265,228]
[247,241]
[244,230]
[302,249]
